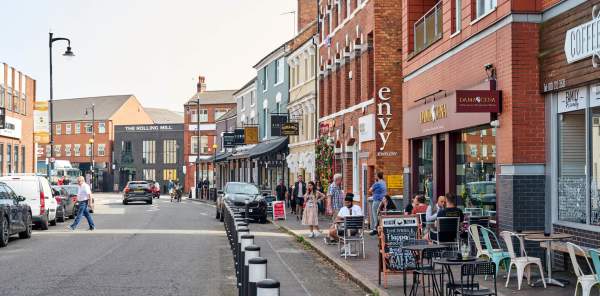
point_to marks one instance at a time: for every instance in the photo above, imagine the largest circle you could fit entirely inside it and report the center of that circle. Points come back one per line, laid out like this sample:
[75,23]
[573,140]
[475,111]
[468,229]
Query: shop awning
[222,156]
[273,145]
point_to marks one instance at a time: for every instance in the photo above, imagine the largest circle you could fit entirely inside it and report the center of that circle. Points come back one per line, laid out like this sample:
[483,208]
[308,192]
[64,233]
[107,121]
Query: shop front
[453,149]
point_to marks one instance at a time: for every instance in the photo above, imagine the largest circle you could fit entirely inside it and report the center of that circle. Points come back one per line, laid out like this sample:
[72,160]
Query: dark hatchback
[237,194]
[138,191]
[15,215]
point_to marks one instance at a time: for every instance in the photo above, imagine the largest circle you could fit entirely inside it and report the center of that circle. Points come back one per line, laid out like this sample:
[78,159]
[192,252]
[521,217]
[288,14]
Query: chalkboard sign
[398,232]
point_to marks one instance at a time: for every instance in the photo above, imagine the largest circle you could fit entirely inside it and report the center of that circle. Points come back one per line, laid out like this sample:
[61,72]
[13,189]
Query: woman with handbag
[310,215]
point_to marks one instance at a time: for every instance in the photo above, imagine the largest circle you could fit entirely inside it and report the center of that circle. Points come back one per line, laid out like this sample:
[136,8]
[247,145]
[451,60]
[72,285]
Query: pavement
[160,249]
[364,272]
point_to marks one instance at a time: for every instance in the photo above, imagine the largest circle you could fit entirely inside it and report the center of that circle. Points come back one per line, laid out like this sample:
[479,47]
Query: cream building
[302,109]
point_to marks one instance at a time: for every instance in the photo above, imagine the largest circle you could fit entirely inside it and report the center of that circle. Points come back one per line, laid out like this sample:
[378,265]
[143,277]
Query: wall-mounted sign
[238,136]
[203,127]
[12,128]
[384,115]
[41,123]
[326,126]
[290,129]
[251,135]
[366,128]
[478,101]
[572,99]
[433,113]
[229,140]
[148,128]
[277,120]
[582,41]
[395,181]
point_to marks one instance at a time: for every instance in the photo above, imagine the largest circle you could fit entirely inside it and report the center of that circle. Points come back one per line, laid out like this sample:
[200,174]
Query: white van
[38,194]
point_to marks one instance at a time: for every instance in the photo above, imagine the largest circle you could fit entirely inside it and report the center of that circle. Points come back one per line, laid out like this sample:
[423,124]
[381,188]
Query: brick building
[73,130]
[360,90]
[17,96]
[202,110]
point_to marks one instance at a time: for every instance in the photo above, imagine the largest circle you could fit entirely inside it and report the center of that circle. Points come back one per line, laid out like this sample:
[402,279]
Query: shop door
[440,182]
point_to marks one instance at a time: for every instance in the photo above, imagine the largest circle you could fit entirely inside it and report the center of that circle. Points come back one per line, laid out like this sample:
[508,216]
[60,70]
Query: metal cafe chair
[470,287]
[352,232]
[447,232]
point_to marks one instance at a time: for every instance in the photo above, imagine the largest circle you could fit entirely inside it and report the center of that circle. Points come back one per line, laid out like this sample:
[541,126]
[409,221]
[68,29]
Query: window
[77,128]
[252,98]
[473,150]
[339,12]
[203,115]
[67,149]
[169,174]
[57,149]
[265,78]
[219,113]
[485,6]
[428,29]
[203,144]
[58,128]
[169,151]
[149,152]
[77,149]
[483,133]
[348,8]
[424,150]
[279,71]
[16,158]
[149,174]
[571,167]
[484,150]
[101,149]
[101,127]
[1,150]
[48,151]
[194,143]
[88,128]
[264,125]
[457,16]
[493,150]
[242,105]
[88,149]
[9,158]
[126,149]
[68,129]
[306,68]
[22,159]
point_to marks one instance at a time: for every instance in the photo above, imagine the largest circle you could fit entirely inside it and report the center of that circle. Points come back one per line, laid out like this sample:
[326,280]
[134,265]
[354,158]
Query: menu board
[278,210]
[398,231]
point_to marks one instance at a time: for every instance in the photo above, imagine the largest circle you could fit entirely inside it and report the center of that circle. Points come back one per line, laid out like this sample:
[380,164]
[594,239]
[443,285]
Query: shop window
[9,158]
[169,174]
[425,167]
[16,158]
[1,153]
[595,168]
[571,167]
[23,170]
[149,174]
[476,168]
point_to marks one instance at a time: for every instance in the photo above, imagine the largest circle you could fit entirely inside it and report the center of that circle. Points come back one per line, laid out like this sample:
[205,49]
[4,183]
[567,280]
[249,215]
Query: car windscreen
[71,190]
[27,188]
[241,188]
[137,185]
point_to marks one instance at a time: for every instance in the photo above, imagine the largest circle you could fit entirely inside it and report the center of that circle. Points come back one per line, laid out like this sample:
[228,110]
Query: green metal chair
[498,256]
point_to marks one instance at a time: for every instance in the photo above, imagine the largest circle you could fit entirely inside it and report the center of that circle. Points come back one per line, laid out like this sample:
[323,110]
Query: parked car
[68,197]
[38,195]
[155,188]
[137,191]
[236,194]
[15,215]
[482,194]
[61,207]
[73,204]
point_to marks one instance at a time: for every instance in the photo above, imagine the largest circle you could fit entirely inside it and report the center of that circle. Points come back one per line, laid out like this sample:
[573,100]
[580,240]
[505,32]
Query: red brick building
[491,159]
[202,110]
[360,90]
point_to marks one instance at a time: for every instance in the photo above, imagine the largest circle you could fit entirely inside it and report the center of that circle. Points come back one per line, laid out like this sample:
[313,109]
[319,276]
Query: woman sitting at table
[386,205]
[421,206]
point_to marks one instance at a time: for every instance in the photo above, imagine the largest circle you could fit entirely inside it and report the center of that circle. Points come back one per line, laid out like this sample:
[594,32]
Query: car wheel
[263,220]
[53,222]
[62,217]
[27,232]
[4,232]
[44,222]
[149,202]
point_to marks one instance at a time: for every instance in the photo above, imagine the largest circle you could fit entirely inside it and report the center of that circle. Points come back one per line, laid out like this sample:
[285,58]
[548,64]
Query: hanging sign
[290,129]
[251,135]
[238,136]
[582,41]
[277,122]
[229,140]
[278,210]
[478,101]
[41,123]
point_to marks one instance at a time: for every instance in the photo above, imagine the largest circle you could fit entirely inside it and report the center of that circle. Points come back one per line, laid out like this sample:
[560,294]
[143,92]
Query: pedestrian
[84,196]
[280,190]
[378,190]
[319,188]
[335,195]
[170,186]
[310,217]
[291,200]
[205,186]
[298,195]
[61,181]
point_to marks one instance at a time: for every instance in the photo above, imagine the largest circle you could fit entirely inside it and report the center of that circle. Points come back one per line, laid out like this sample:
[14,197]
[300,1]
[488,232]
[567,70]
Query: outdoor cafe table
[540,237]
[448,263]
[418,250]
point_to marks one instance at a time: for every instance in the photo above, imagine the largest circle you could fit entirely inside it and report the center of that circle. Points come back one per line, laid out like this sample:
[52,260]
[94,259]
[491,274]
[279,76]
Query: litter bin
[212,193]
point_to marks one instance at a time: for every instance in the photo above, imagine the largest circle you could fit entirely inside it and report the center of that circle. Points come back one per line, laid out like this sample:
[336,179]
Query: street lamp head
[68,52]
[215,146]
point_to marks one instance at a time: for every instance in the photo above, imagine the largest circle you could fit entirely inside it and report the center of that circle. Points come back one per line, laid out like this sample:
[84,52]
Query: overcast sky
[154,49]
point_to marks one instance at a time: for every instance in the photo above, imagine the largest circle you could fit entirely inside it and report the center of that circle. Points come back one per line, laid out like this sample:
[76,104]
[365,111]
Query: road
[160,249]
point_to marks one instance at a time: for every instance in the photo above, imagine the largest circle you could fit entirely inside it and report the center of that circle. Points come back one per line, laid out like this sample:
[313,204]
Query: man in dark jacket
[298,195]
[280,191]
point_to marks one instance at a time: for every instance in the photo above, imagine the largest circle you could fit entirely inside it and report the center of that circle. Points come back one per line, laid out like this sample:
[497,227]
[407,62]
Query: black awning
[273,145]
[222,156]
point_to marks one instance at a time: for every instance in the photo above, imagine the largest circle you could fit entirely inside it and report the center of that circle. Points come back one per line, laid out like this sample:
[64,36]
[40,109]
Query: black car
[237,194]
[138,191]
[67,206]
[15,215]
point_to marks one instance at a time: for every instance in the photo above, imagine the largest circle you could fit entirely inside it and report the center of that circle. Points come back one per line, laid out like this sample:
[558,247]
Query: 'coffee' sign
[583,41]
[478,101]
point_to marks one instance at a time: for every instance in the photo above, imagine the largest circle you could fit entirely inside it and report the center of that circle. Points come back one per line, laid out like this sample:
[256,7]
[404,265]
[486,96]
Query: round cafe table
[447,264]
[540,237]
[418,251]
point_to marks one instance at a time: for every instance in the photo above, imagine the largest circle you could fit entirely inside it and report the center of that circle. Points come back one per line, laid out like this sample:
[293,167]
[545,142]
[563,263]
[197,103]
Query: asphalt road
[160,249]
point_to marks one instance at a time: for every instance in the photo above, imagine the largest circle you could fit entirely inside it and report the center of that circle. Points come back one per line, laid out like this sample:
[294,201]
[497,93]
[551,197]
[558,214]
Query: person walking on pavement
[378,191]
[280,191]
[298,195]
[84,196]
[205,186]
[291,199]
[310,217]
[335,195]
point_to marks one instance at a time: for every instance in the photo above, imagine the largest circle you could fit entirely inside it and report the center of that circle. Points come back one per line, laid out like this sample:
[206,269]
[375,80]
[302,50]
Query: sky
[154,49]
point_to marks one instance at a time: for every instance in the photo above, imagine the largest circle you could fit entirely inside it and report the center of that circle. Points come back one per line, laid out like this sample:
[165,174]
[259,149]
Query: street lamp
[197,147]
[214,147]
[67,53]
[92,110]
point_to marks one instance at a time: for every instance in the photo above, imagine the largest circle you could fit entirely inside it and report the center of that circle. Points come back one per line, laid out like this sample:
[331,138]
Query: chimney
[201,86]
[307,12]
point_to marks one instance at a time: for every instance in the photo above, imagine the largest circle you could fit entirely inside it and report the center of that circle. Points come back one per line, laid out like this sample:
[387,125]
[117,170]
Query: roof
[269,146]
[248,84]
[229,114]
[222,156]
[279,51]
[213,97]
[74,109]
[163,116]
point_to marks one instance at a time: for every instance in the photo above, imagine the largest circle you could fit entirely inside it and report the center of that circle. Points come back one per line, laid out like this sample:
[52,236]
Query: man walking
[298,195]
[335,194]
[378,191]
[84,196]
[280,191]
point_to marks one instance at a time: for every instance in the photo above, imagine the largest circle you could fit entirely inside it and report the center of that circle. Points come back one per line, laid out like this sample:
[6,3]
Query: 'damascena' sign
[583,41]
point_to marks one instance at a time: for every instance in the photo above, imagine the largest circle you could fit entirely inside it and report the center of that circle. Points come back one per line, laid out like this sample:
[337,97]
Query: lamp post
[197,147]
[68,53]
[92,109]
[214,147]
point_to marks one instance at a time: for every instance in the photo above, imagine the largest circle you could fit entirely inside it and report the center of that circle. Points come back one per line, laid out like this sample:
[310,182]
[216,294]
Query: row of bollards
[250,268]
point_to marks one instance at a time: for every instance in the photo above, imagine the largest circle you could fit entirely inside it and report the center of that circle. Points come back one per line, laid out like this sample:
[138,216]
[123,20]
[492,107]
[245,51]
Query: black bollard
[252,251]
[246,240]
[257,271]
[237,252]
[267,287]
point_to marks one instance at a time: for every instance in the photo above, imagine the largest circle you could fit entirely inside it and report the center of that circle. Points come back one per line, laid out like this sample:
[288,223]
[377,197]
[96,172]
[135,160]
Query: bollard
[246,209]
[246,240]
[267,287]
[257,271]
[237,251]
[252,252]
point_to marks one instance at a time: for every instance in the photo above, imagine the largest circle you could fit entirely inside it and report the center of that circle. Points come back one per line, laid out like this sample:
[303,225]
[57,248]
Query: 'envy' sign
[384,116]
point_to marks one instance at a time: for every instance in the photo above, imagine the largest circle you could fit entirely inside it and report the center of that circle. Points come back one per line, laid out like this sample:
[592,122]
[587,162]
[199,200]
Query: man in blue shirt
[378,191]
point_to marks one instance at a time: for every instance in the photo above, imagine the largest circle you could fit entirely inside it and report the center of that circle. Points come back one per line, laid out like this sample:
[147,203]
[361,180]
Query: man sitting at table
[349,209]
[449,211]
